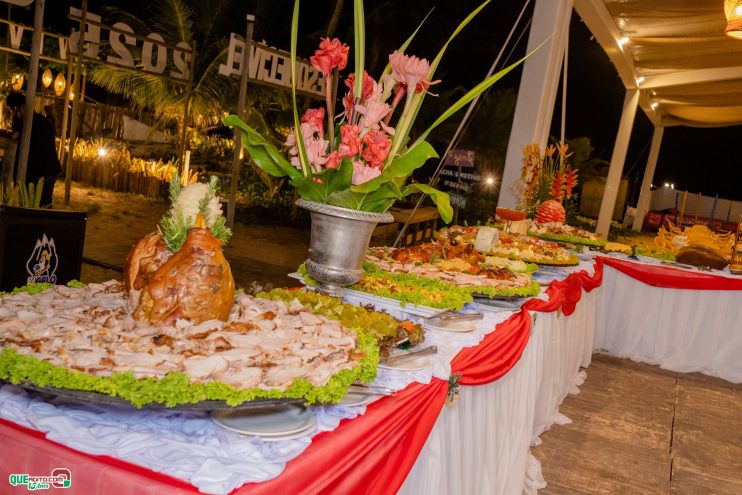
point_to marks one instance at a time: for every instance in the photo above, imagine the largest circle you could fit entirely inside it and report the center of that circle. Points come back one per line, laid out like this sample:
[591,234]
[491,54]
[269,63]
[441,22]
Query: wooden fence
[113,176]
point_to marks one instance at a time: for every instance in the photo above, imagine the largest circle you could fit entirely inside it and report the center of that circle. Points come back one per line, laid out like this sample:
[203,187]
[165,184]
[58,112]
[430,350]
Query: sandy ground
[262,254]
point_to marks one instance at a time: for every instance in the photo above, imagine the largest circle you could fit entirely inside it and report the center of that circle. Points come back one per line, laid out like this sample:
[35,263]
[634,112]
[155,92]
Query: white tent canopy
[675,52]
[675,62]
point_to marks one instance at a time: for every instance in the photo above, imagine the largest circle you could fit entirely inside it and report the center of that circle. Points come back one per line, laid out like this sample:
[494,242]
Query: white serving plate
[270,423]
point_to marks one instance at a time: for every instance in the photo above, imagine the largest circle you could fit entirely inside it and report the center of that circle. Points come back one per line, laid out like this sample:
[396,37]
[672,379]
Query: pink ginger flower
[368,90]
[331,54]
[408,70]
[316,117]
[333,160]
[368,85]
[377,147]
[363,173]
[350,141]
[373,112]
[315,145]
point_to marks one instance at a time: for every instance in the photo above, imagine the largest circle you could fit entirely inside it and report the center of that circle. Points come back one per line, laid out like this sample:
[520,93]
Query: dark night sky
[696,159]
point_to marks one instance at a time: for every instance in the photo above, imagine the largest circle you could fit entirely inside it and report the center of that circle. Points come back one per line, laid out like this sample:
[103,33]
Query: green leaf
[37,198]
[359,29]
[383,198]
[341,177]
[309,189]
[262,152]
[441,199]
[24,195]
[305,168]
[403,166]
[347,199]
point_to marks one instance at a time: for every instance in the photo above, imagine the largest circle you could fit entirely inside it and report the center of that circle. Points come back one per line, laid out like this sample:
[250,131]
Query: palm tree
[177,21]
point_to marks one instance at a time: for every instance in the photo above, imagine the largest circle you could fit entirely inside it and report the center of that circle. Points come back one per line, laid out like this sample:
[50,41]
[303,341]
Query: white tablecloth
[481,444]
[678,329]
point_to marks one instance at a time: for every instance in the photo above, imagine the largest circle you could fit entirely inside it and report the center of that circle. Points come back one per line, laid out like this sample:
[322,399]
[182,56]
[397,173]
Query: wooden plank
[630,418]
[687,482]
[594,463]
[707,437]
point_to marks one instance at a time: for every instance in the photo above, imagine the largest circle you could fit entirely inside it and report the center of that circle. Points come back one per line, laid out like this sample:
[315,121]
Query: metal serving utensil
[404,355]
[365,389]
[452,316]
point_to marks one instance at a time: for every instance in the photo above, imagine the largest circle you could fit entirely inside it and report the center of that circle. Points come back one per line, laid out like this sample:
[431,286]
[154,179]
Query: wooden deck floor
[638,429]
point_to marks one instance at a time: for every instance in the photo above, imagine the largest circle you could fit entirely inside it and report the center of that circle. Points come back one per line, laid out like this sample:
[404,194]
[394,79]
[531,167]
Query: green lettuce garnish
[659,253]
[569,238]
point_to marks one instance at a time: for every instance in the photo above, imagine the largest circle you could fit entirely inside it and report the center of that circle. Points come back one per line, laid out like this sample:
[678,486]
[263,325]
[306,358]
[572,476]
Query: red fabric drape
[672,278]
[370,454]
[496,354]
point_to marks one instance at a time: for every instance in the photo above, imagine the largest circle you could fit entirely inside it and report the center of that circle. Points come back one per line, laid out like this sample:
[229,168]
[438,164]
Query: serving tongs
[401,356]
[372,390]
[453,317]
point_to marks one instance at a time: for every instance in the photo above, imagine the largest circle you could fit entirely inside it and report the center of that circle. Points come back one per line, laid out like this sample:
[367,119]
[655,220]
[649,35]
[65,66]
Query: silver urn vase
[338,244]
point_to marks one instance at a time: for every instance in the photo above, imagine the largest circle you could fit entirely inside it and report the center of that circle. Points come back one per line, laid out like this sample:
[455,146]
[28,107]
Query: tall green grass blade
[403,48]
[473,93]
[297,123]
[359,29]
[24,195]
[39,190]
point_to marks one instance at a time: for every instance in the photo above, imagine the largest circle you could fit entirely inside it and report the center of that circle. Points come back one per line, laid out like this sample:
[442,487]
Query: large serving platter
[108,400]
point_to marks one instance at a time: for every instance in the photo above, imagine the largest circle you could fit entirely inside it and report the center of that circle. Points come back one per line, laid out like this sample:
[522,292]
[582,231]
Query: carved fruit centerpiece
[179,272]
[550,211]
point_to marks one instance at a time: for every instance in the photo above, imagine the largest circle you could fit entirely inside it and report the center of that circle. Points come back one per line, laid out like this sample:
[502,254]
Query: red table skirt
[369,454]
[672,278]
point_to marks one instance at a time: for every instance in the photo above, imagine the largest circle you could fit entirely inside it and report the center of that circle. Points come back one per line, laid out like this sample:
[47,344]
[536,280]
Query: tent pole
[642,207]
[537,91]
[617,162]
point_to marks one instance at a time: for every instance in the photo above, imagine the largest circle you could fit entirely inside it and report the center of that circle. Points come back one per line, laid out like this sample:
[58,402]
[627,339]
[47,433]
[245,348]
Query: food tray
[570,239]
[98,398]
[387,304]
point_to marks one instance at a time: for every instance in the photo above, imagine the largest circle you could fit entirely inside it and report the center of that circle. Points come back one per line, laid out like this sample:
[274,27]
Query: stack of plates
[271,424]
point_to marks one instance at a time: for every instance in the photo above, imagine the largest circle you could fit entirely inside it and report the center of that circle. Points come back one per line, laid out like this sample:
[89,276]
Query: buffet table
[682,320]
[511,384]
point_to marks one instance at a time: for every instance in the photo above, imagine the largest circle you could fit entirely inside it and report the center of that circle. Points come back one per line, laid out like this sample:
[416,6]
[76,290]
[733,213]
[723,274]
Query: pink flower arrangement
[365,136]
[361,158]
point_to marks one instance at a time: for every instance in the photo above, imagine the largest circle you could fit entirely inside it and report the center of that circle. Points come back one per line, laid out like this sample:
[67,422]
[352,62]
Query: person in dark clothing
[42,154]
